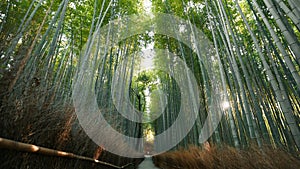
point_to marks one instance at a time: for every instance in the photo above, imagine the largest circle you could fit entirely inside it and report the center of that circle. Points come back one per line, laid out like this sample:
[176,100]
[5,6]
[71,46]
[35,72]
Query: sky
[147,57]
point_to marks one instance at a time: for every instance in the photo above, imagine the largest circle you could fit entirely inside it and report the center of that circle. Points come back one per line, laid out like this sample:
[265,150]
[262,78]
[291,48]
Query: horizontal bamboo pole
[19,146]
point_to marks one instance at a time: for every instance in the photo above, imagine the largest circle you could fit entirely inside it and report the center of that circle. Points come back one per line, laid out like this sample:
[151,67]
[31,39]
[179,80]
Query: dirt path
[147,164]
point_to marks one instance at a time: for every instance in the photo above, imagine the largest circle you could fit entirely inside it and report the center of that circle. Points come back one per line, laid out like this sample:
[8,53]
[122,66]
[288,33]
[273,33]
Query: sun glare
[225,105]
[149,136]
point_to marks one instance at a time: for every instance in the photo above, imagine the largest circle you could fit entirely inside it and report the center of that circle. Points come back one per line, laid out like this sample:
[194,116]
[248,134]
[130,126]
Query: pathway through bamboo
[147,163]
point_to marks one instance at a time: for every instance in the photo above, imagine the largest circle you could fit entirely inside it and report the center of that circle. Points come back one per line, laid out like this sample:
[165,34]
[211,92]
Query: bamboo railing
[19,146]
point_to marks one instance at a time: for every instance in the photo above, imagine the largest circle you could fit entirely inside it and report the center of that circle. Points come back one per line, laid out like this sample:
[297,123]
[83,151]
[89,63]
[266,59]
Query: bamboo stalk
[19,146]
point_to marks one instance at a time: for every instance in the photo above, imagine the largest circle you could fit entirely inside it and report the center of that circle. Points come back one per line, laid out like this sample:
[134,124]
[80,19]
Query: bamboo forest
[145,84]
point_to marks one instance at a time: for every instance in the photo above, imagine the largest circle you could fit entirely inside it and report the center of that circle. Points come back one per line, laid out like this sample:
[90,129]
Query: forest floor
[226,157]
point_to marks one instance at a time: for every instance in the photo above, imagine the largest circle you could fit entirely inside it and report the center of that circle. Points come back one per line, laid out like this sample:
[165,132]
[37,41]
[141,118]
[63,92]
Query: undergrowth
[226,157]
